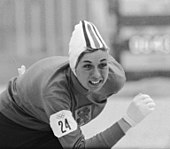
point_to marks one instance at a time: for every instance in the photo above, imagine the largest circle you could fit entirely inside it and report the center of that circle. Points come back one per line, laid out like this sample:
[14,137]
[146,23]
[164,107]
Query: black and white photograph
[85,74]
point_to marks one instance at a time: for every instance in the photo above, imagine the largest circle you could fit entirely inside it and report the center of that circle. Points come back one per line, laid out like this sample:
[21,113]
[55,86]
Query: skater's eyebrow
[102,60]
[87,61]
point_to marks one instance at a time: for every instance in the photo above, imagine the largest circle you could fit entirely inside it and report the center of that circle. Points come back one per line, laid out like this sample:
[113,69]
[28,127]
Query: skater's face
[92,70]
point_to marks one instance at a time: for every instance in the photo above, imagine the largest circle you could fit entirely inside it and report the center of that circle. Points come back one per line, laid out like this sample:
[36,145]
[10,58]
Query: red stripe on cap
[96,43]
[85,34]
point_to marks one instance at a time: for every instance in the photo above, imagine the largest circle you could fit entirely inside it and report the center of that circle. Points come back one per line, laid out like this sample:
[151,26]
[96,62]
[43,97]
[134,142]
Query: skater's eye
[87,66]
[102,65]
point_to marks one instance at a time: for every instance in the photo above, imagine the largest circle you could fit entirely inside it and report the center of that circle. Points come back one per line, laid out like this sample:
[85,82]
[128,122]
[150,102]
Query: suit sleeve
[103,140]
[107,138]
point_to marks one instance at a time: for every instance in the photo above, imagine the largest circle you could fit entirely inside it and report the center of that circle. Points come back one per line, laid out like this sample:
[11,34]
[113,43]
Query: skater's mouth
[96,82]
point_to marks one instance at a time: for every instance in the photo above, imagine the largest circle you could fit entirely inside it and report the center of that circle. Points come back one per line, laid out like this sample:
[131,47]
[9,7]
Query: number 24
[64,125]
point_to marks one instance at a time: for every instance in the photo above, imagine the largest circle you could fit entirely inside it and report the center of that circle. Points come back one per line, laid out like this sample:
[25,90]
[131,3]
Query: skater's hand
[139,108]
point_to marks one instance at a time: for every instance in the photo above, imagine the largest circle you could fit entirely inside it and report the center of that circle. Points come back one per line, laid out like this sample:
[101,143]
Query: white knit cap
[85,35]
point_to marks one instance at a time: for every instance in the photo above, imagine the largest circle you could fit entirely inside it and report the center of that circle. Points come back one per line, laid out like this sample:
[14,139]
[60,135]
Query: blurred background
[138,34]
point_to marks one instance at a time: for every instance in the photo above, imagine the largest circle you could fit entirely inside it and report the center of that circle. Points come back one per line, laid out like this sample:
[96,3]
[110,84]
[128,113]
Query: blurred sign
[146,48]
[147,52]
[149,44]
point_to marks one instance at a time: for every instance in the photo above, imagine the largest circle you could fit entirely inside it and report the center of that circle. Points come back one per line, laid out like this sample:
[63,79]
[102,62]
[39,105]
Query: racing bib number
[62,123]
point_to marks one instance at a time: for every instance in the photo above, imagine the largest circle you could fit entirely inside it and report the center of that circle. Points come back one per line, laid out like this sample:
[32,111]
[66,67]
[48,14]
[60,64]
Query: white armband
[62,123]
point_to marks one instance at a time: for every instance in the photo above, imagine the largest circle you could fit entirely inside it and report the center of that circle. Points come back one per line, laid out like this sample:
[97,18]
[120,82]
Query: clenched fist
[139,108]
